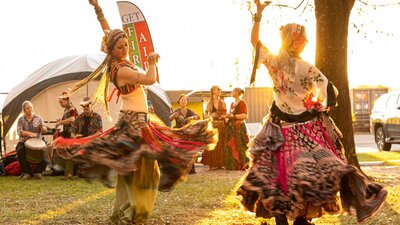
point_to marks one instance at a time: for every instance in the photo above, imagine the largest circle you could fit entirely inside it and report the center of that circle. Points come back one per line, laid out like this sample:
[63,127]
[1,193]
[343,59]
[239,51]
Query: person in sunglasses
[88,123]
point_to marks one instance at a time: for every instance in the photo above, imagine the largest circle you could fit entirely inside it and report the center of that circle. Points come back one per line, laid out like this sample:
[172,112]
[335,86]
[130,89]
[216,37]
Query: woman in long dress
[216,109]
[236,133]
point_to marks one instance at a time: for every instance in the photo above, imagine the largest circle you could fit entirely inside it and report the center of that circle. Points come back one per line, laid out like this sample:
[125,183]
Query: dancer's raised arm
[100,16]
[257,18]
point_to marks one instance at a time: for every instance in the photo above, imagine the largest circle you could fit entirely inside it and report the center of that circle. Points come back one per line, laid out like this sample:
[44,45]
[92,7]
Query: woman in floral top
[298,161]
[29,126]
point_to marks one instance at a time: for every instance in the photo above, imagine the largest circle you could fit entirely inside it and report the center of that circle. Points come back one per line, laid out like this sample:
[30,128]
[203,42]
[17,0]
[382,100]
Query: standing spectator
[69,115]
[236,133]
[216,109]
[29,126]
[183,116]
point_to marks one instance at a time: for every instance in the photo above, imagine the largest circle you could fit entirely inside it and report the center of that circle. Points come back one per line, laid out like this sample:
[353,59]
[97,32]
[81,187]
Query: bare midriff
[135,101]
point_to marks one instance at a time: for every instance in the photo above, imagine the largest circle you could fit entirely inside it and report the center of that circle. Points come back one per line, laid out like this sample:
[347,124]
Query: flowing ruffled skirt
[297,170]
[137,150]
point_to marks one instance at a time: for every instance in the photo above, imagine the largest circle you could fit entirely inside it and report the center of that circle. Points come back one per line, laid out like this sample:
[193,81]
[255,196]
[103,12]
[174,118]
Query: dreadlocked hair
[101,93]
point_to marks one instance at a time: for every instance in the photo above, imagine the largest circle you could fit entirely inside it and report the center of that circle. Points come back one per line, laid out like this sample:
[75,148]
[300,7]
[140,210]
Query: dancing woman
[135,148]
[298,165]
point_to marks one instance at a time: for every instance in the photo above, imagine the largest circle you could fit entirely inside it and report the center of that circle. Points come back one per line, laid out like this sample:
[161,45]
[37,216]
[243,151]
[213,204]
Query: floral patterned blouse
[26,125]
[298,85]
[87,125]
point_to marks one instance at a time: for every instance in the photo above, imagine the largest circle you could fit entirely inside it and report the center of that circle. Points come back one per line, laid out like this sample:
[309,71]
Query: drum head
[35,144]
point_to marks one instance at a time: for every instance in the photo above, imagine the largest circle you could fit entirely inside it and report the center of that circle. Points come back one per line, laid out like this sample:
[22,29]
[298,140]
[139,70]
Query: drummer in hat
[30,126]
[88,123]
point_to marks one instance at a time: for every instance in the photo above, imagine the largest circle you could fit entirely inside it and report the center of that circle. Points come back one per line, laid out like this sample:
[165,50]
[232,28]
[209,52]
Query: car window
[380,103]
[392,102]
[398,102]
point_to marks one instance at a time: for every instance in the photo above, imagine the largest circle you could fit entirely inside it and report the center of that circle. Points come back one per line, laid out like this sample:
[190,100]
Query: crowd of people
[295,166]
[230,151]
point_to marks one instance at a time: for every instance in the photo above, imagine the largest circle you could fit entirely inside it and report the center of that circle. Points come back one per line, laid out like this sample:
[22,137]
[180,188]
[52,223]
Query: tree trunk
[332,18]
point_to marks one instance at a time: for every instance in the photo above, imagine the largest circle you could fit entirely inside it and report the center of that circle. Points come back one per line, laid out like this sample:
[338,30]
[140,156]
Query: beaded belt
[138,116]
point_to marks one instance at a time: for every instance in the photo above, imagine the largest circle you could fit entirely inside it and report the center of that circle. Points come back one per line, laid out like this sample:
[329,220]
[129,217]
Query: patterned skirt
[236,145]
[296,169]
[122,147]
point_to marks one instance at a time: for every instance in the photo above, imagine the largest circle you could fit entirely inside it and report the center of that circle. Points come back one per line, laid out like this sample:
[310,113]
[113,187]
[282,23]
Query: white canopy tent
[44,86]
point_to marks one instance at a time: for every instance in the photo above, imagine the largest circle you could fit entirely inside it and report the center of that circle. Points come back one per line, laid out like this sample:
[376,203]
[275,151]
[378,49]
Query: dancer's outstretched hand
[93,2]
[153,58]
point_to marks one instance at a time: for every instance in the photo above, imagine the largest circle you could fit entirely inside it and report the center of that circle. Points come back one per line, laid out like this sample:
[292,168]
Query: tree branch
[378,5]
[287,6]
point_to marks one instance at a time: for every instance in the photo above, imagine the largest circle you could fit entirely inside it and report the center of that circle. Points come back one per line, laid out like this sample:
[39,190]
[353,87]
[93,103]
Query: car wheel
[380,140]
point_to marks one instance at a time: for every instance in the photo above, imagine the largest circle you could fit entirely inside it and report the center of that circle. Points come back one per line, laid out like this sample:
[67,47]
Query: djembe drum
[35,150]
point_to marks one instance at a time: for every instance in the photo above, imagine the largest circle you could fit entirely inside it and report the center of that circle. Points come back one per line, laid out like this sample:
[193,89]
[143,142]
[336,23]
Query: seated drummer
[29,126]
[88,123]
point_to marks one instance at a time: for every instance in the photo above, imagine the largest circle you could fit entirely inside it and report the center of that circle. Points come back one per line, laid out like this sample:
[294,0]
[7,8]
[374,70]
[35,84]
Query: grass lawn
[206,198]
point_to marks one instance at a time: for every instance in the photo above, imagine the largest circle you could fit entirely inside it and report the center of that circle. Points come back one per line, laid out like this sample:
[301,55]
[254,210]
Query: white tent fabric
[47,83]
[60,67]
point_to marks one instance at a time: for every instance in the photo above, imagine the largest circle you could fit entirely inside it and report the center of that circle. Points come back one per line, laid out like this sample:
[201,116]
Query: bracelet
[99,13]
[257,19]
[234,116]
[100,16]
[137,79]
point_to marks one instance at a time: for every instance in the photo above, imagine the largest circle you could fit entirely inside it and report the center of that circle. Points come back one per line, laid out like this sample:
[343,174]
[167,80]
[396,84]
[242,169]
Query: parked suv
[385,120]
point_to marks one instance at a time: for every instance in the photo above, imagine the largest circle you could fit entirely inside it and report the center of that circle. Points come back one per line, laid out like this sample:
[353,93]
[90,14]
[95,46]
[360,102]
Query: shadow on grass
[386,216]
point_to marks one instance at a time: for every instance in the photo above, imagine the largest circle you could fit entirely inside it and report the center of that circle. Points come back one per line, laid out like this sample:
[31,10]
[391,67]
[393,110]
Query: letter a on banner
[135,26]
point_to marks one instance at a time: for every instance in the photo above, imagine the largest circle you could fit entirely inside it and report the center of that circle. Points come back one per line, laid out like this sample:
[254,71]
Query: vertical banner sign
[135,26]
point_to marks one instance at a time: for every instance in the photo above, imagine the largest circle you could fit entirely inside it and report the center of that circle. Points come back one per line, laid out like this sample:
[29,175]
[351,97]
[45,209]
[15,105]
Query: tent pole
[2,141]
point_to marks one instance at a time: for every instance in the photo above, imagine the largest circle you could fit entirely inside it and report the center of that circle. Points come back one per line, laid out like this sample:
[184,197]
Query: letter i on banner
[135,25]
